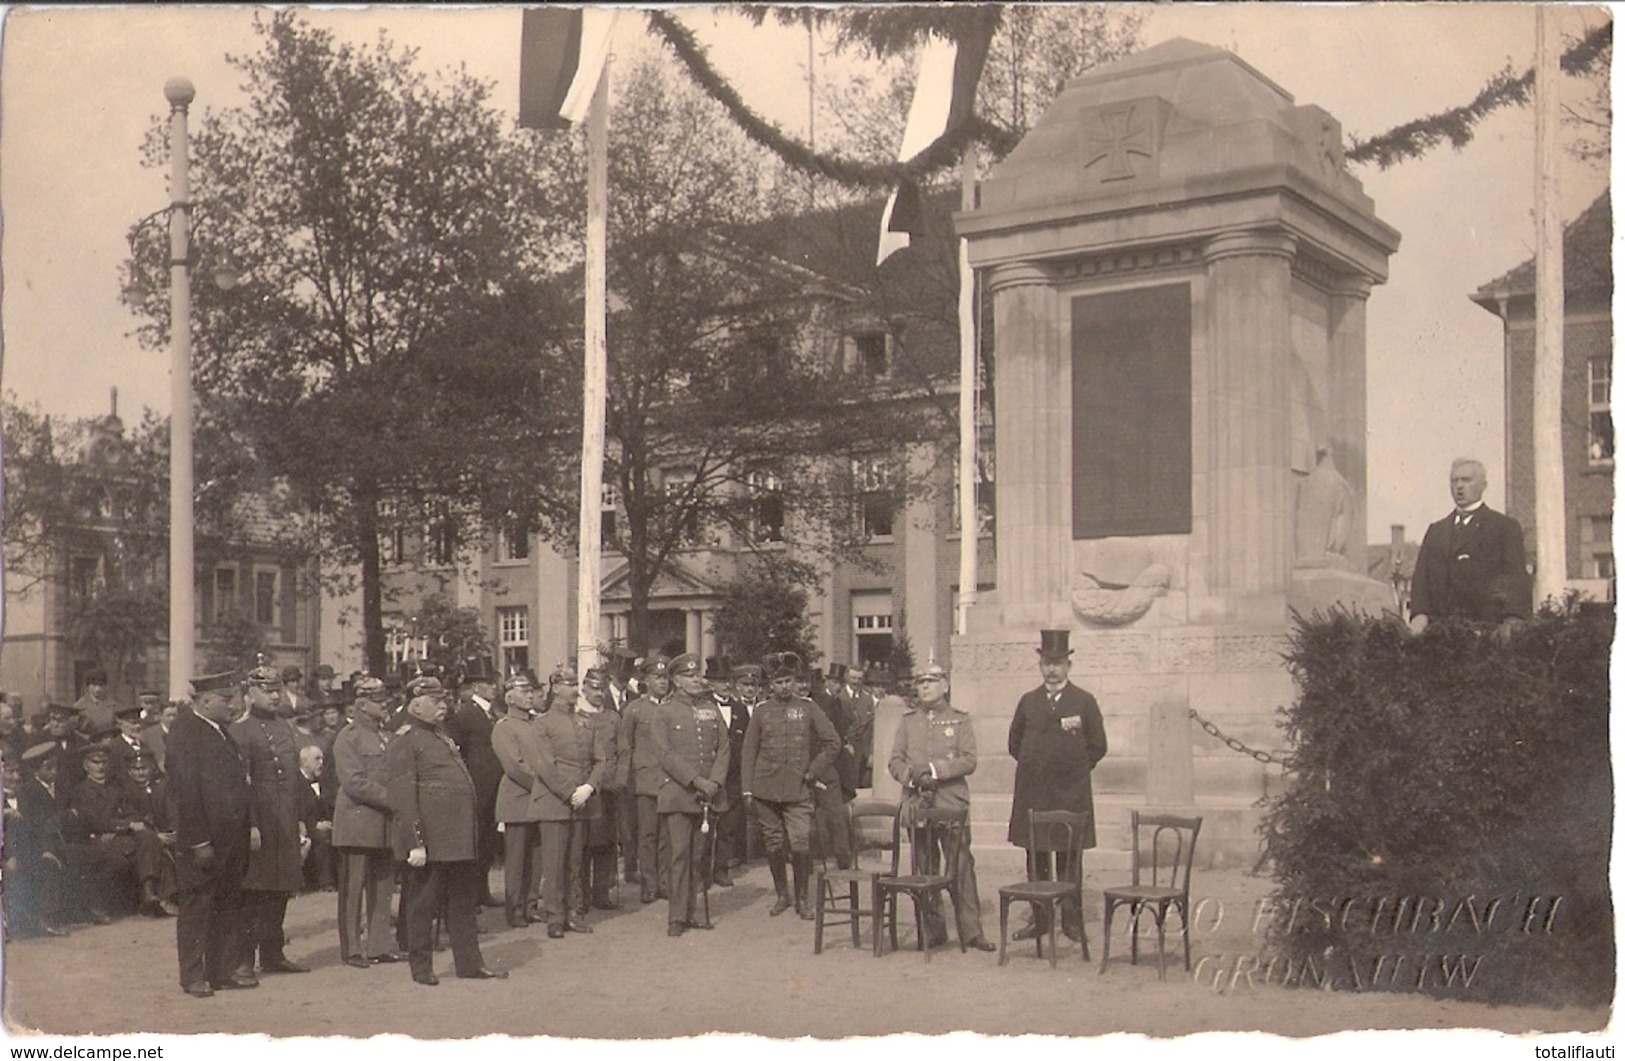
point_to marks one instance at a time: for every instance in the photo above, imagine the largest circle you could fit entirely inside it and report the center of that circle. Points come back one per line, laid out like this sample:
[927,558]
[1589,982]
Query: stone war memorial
[1179,262]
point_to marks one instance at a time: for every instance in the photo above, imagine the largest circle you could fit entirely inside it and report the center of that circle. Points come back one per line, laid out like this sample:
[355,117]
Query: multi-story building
[890,326]
[1588,425]
[88,591]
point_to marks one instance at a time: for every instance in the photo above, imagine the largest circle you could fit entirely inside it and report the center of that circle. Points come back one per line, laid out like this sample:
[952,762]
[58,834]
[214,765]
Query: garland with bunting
[1411,140]
[1416,138]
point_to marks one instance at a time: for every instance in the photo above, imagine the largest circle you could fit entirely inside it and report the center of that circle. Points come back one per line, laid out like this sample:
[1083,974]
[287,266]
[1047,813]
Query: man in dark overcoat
[1056,738]
[276,866]
[470,726]
[36,861]
[596,884]
[1472,562]
[431,796]
[691,745]
[214,815]
[361,812]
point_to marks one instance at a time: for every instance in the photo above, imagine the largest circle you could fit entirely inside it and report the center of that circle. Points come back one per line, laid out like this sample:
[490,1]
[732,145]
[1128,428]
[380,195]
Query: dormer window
[868,354]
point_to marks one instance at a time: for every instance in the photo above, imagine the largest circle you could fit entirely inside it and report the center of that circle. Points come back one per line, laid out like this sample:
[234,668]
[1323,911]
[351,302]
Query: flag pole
[1551,523]
[595,364]
[969,515]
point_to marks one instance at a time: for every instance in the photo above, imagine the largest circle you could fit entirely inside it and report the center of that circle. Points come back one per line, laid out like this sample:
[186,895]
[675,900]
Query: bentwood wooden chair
[1162,882]
[1054,879]
[936,844]
[842,892]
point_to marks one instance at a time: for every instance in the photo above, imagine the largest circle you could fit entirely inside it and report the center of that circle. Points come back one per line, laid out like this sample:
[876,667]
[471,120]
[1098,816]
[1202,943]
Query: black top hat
[837,672]
[1053,644]
[479,669]
[717,669]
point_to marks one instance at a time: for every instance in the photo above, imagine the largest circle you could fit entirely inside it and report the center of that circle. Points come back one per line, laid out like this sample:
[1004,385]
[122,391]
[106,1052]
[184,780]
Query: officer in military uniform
[117,840]
[514,739]
[788,745]
[640,776]
[932,754]
[603,832]
[431,796]
[691,744]
[361,819]
[572,761]
[276,866]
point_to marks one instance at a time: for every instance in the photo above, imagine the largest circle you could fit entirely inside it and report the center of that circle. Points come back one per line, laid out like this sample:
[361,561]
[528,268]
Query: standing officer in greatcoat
[598,863]
[366,866]
[641,777]
[932,754]
[276,867]
[571,763]
[691,744]
[431,796]
[514,739]
[1056,738]
[788,746]
[214,814]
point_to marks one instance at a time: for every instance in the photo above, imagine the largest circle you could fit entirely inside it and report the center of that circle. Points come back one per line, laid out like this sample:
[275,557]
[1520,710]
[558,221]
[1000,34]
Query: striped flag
[561,53]
[943,97]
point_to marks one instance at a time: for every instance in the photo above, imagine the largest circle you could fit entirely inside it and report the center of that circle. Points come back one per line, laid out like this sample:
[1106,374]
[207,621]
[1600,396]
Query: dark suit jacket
[39,826]
[210,794]
[1477,571]
[471,729]
[431,795]
[1052,761]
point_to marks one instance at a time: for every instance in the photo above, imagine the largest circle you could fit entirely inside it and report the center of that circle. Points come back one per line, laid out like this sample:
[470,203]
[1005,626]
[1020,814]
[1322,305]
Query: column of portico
[1249,346]
[1033,424]
[693,640]
[1347,390]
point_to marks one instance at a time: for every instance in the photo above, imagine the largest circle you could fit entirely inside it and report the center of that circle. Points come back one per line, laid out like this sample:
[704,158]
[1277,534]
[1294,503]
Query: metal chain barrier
[1235,745]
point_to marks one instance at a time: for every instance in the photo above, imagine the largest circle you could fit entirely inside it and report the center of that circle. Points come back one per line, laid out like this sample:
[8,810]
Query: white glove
[417,858]
[580,796]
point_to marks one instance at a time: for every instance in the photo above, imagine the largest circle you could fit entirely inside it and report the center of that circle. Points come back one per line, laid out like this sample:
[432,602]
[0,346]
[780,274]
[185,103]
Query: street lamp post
[182,624]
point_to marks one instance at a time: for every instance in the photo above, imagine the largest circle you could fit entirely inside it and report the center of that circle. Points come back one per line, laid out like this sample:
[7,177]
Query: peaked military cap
[686,664]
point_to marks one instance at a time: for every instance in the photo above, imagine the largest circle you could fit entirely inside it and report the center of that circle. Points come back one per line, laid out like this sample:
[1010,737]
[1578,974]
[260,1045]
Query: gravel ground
[753,974]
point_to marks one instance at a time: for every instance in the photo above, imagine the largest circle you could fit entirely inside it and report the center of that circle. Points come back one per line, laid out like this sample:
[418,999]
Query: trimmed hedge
[1448,811]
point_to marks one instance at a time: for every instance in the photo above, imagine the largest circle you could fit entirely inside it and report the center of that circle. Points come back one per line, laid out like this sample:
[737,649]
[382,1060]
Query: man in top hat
[834,785]
[470,726]
[598,863]
[431,794]
[572,762]
[361,811]
[691,744]
[1056,738]
[745,694]
[788,745]
[514,739]
[932,754]
[276,867]
[640,777]
[95,703]
[214,815]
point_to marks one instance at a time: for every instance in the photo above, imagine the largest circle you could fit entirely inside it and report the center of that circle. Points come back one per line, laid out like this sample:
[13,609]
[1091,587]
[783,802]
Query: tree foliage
[388,229]
[454,634]
[760,612]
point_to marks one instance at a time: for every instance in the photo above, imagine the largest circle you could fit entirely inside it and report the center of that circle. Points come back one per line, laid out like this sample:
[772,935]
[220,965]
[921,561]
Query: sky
[80,86]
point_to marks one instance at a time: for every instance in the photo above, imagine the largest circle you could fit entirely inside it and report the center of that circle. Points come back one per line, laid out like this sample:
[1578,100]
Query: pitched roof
[1587,260]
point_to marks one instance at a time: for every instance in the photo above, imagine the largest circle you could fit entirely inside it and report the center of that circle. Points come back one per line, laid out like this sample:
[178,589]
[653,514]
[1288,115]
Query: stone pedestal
[1186,190]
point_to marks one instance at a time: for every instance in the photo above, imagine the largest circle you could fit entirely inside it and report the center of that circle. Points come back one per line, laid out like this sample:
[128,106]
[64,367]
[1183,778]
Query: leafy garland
[1415,138]
[1411,140]
[941,152]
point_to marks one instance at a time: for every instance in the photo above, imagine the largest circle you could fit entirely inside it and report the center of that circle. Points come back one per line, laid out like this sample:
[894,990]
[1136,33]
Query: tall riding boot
[775,862]
[801,866]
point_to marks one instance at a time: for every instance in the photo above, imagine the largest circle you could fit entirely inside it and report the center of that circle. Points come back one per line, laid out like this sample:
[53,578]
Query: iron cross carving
[1119,133]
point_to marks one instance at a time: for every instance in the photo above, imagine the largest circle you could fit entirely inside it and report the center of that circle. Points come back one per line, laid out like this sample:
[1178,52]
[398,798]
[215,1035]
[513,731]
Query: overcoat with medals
[1055,745]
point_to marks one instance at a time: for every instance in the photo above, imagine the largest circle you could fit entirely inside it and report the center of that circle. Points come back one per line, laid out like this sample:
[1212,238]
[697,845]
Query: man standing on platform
[276,866]
[932,754]
[1056,738]
[366,868]
[432,798]
[1471,562]
[214,808]
[691,744]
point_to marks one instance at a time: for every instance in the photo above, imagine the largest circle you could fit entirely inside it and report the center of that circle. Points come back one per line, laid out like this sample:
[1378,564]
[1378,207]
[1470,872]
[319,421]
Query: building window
[440,539]
[1601,443]
[391,534]
[767,507]
[876,505]
[868,354]
[265,598]
[513,540]
[513,636]
[84,577]
[609,501]
[681,508]
[225,593]
[872,627]
[1597,546]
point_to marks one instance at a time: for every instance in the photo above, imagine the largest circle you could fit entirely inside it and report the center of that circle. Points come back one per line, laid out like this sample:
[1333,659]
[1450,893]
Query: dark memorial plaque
[1131,412]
